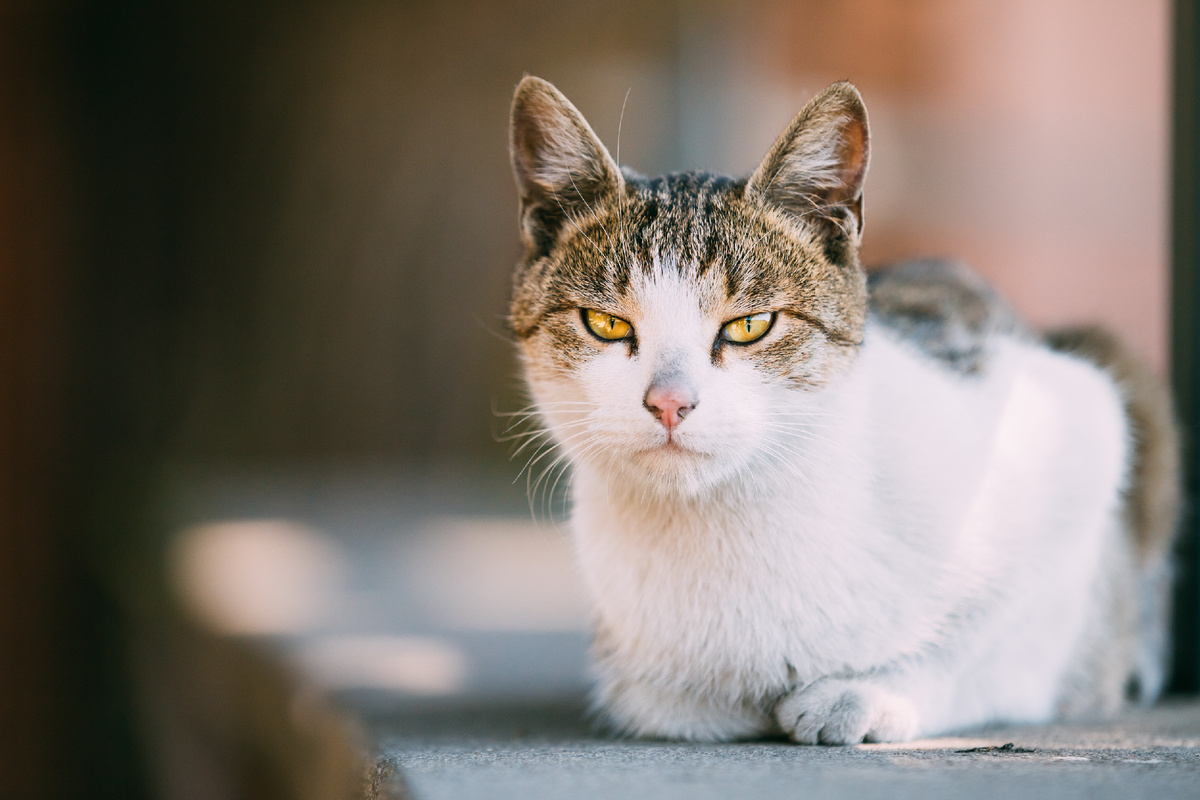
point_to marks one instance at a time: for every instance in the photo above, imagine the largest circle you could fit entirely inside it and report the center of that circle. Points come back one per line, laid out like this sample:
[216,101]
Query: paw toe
[845,712]
[847,720]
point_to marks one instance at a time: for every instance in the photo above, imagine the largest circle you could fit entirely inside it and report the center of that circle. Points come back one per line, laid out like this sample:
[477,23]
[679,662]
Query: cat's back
[959,329]
[969,367]
[977,417]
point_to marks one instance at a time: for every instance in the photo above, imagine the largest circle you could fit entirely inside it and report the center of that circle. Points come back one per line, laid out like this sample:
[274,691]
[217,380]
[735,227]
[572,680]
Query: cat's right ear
[562,169]
[816,168]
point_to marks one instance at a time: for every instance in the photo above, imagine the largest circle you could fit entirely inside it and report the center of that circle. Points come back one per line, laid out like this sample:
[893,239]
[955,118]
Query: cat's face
[672,328]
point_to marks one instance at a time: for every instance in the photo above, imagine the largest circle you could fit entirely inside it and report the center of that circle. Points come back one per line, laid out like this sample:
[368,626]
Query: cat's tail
[1152,496]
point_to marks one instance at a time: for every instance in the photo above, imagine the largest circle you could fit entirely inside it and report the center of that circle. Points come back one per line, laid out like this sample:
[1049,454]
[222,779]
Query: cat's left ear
[562,169]
[816,168]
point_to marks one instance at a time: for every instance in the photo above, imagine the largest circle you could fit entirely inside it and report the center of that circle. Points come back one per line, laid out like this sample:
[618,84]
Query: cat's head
[672,328]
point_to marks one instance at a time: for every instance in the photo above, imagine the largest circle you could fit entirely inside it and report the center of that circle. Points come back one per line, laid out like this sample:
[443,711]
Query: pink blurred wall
[1027,137]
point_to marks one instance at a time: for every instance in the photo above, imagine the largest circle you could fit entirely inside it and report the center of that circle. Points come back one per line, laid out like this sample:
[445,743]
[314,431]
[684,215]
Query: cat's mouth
[673,447]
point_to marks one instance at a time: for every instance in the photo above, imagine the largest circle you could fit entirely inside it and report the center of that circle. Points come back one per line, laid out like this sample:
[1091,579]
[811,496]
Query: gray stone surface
[549,752]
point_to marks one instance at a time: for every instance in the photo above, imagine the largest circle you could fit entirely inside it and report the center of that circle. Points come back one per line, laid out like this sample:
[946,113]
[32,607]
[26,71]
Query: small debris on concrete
[1006,748]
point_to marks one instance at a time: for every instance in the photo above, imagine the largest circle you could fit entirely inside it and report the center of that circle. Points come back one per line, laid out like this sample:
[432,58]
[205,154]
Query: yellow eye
[606,326]
[748,329]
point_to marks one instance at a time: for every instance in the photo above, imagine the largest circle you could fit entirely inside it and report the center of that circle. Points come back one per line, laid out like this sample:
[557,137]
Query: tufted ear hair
[561,168]
[816,168]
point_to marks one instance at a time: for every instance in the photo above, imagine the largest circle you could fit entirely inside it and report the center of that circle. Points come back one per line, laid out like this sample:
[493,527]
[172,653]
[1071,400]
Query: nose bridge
[672,330]
[670,368]
[673,346]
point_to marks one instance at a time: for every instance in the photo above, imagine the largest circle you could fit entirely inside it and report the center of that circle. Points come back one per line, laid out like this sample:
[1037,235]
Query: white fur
[902,552]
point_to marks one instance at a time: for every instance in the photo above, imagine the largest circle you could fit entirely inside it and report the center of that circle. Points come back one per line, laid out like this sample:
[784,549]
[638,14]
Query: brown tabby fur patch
[945,309]
[1152,498]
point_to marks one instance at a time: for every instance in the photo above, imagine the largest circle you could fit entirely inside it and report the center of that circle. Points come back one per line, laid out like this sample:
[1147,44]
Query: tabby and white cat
[809,503]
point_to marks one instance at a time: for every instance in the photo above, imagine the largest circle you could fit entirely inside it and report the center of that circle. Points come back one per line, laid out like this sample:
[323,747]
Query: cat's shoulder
[945,310]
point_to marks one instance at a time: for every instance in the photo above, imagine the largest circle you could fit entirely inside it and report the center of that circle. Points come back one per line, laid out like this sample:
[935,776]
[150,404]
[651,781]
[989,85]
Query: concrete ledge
[547,753]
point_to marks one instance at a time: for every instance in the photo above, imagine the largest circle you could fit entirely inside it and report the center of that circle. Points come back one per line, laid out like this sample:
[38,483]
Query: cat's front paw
[837,711]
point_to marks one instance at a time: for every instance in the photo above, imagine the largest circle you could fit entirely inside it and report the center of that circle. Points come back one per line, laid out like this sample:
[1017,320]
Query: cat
[813,504]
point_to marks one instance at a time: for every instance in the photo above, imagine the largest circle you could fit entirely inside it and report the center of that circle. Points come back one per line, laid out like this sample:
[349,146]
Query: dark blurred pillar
[1185,356]
[34,252]
[123,91]
[85,94]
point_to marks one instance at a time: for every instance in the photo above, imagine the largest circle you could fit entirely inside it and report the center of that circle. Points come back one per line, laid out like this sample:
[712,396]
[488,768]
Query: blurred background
[261,236]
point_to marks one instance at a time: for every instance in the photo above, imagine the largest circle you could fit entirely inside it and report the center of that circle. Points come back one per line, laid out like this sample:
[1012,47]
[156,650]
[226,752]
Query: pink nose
[669,404]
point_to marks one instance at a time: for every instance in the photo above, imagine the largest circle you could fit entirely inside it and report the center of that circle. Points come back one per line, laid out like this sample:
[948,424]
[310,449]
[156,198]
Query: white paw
[836,711]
